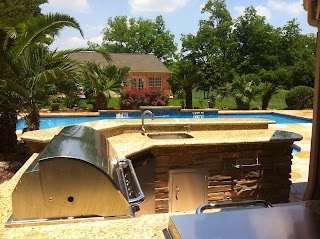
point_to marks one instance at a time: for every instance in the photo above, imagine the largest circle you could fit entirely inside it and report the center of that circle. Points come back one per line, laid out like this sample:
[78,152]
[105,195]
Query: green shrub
[300,97]
[71,101]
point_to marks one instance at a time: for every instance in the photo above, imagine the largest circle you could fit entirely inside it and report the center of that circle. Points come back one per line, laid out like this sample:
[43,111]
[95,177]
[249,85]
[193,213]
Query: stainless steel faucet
[143,132]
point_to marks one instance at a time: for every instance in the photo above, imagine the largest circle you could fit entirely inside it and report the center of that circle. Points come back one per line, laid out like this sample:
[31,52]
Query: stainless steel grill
[73,179]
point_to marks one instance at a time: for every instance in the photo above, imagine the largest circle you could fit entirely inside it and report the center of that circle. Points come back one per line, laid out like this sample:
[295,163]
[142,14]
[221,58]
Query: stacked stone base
[228,182]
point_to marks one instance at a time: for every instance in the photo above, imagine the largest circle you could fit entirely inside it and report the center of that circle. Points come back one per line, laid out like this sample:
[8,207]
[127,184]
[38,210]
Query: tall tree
[14,11]
[213,40]
[257,43]
[212,78]
[128,35]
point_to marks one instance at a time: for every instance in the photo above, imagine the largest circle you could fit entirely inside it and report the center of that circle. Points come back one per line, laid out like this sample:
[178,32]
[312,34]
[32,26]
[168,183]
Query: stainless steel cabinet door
[187,189]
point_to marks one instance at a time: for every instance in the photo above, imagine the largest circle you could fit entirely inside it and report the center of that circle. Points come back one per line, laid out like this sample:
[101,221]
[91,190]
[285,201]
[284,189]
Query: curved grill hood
[70,179]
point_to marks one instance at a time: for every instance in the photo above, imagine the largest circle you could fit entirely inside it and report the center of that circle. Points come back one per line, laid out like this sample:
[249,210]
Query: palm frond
[37,30]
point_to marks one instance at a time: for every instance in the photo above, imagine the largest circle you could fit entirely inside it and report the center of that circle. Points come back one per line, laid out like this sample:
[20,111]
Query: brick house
[147,69]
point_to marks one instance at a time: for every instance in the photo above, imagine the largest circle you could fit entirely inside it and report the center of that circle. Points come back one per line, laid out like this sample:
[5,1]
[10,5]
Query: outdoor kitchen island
[223,159]
[216,151]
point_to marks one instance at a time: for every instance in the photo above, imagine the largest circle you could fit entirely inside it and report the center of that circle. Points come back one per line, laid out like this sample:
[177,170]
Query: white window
[155,82]
[140,83]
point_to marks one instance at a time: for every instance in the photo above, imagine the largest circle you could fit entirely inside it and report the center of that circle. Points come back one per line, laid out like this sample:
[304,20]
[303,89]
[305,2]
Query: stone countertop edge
[137,143]
[45,135]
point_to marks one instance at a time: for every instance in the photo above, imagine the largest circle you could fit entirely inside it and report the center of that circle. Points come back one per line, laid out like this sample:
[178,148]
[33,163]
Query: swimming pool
[50,122]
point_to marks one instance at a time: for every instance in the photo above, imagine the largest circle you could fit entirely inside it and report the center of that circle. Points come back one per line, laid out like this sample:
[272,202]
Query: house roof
[136,62]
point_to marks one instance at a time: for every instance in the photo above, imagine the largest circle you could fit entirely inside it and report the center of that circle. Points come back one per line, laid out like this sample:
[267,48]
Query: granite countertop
[45,135]
[136,142]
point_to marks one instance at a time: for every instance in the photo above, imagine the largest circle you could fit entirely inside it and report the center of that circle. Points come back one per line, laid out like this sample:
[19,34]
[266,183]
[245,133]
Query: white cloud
[261,11]
[97,40]
[239,10]
[77,5]
[156,5]
[93,28]
[293,7]
[75,42]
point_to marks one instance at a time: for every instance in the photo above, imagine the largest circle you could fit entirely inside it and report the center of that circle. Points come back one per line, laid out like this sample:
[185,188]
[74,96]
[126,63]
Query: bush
[132,99]
[71,101]
[300,97]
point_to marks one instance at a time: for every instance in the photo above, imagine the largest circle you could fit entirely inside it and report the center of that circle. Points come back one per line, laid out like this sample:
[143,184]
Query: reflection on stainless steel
[291,221]
[188,128]
[203,207]
[170,136]
[143,128]
[140,198]
[72,178]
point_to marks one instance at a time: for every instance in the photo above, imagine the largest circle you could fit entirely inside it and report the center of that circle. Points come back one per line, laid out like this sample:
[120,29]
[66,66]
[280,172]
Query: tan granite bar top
[45,135]
[128,144]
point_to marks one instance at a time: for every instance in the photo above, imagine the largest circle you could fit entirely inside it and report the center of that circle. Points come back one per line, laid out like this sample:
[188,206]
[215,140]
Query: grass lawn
[277,102]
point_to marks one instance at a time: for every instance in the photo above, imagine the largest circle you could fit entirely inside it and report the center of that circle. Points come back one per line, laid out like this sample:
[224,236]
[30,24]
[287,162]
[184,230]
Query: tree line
[222,51]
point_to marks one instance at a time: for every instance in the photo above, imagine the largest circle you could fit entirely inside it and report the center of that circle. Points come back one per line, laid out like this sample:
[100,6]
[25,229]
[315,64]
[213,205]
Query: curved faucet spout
[143,128]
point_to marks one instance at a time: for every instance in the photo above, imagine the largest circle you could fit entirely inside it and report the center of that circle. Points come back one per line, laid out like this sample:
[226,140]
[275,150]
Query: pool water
[50,122]
[295,149]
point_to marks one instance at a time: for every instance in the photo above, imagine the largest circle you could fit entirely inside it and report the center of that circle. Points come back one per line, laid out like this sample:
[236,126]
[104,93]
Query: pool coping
[221,112]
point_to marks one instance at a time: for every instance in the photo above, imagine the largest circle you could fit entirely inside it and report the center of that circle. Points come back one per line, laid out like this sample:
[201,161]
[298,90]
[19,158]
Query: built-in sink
[170,136]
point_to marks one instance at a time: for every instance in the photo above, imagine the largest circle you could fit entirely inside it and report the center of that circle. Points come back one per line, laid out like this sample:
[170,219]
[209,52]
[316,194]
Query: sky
[180,16]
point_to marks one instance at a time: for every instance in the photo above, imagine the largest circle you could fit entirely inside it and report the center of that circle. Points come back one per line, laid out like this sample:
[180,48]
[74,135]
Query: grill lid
[78,142]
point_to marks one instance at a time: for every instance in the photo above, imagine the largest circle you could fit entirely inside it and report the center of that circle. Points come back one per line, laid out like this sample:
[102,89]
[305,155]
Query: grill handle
[141,197]
[203,207]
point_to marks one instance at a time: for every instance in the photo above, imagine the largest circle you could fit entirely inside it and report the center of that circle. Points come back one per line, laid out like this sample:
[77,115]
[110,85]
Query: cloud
[164,6]
[261,11]
[75,42]
[239,10]
[293,7]
[77,5]
[93,28]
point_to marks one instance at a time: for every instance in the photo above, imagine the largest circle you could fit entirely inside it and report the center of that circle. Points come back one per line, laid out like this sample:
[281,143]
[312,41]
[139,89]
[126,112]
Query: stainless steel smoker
[73,179]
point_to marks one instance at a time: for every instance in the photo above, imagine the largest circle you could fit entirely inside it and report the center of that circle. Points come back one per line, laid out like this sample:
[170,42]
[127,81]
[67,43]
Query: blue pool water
[50,122]
[295,149]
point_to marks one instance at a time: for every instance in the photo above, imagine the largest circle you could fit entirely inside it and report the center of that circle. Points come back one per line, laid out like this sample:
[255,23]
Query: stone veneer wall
[270,181]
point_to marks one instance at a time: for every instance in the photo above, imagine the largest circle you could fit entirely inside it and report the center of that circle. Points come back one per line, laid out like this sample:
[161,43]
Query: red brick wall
[145,76]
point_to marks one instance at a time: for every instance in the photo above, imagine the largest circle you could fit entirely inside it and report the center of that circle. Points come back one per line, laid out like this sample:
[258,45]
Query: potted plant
[55,103]
[212,101]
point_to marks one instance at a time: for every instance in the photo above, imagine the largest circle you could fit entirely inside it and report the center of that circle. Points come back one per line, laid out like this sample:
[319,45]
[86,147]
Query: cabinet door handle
[257,164]
[177,193]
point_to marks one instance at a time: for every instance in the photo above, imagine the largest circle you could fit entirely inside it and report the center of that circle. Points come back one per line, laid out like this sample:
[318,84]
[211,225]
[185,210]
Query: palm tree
[244,89]
[103,81]
[267,90]
[15,43]
[187,75]
[41,70]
